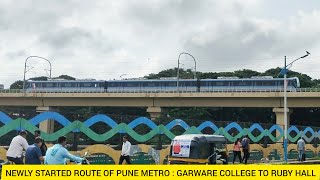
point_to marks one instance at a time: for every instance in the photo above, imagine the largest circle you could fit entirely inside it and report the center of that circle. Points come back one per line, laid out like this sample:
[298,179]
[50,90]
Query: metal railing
[4,91]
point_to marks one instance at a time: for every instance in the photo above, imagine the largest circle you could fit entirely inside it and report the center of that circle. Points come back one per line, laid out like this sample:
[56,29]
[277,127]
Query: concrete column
[280,119]
[154,112]
[47,125]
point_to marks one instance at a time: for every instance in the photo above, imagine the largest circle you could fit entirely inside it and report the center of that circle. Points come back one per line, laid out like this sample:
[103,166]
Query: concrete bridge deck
[170,99]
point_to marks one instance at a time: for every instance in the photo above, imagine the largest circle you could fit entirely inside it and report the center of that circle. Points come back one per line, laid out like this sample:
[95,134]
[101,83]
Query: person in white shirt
[301,149]
[125,153]
[17,145]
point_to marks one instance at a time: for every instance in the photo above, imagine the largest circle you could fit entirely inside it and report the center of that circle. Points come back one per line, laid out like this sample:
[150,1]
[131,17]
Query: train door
[105,85]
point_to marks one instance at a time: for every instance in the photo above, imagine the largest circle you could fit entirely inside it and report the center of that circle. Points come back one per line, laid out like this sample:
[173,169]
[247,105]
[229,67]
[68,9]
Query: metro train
[164,85]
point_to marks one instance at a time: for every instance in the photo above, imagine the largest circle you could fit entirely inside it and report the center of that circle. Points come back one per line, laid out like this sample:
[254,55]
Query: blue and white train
[168,85]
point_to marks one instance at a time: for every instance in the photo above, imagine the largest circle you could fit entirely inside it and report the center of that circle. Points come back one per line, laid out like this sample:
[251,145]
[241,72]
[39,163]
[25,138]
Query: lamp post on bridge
[195,68]
[25,70]
[285,142]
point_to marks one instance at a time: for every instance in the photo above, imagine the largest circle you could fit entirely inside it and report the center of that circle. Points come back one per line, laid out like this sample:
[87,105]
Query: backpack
[244,143]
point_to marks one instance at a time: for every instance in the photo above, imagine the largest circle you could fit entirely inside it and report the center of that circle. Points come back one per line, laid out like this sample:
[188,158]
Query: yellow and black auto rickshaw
[198,149]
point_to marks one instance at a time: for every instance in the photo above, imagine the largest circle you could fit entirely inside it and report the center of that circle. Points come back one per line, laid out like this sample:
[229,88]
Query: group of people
[243,144]
[38,152]
[57,154]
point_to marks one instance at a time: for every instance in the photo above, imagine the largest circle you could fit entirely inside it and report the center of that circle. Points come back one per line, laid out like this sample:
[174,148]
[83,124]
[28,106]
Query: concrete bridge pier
[280,119]
[46,126]
[154,112]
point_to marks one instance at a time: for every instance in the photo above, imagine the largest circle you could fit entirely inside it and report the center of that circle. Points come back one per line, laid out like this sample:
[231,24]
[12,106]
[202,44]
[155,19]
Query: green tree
[305,80]
[208,75]
[67,77]
[17,85]
[183,74]
[316,83]
[246,73]
[190,113]
[40,78]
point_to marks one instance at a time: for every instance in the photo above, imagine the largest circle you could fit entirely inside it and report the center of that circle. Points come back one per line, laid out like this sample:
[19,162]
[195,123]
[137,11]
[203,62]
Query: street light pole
[25,69]
[195,68]
[285,142]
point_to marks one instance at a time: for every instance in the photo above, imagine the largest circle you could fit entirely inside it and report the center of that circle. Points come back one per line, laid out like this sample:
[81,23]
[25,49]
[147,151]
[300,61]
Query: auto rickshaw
[198,149]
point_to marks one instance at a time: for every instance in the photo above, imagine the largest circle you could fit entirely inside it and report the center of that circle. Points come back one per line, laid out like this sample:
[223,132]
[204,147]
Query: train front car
[253,84]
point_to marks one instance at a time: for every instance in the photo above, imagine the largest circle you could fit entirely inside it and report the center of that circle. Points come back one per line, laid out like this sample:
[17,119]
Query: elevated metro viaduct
[155,101]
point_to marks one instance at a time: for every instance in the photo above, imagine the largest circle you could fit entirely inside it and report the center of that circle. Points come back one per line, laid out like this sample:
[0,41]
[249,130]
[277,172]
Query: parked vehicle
[198,149]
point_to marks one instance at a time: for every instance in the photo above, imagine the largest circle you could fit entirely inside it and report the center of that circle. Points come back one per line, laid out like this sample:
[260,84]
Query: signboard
[181,148]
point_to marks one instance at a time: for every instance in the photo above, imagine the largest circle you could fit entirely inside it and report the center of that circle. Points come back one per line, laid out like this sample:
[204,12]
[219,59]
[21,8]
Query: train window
[212,83]
[66,85]
[159,84]
[241,83]
[184,83]
[120,84]
[86,84]
[139,84]
[290,83]
[150,84]
[245,83]
[50,85]
[265,83]
[113,84]
[203,83]
[221,83]
[132,84]
[294,83]
[170,83]
[258,83]
[189,83]
[268,83]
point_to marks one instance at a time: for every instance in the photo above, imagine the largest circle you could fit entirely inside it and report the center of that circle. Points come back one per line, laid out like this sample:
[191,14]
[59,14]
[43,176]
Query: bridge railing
[11,91]
[3,91]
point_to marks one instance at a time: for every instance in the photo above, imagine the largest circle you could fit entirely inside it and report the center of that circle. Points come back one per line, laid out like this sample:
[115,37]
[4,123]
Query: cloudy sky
[109,39]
